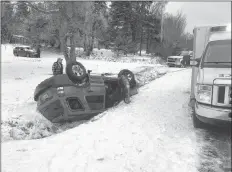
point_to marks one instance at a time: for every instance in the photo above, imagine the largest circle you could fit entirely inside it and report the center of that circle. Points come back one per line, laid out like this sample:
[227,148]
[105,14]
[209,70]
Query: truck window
[218,52]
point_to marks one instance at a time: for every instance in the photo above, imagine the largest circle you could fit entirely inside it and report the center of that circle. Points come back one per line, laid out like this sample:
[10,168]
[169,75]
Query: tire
[128,73]
[196,122]
[72,75]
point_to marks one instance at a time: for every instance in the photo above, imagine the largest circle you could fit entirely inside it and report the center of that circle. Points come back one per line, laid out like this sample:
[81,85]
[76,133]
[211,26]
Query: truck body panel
[201,38]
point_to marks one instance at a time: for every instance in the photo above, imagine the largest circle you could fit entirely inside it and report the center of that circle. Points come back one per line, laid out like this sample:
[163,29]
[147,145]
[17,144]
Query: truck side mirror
[195,62]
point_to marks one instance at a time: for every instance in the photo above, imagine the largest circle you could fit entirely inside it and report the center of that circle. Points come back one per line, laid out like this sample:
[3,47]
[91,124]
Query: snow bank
[108,55]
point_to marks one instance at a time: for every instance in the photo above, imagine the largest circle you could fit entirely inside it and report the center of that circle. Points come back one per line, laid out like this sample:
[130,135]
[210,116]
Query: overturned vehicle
[80,94]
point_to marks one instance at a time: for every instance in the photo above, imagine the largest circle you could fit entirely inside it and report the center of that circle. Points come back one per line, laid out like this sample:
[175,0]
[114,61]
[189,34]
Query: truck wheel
[76,72]
[196,122]
[130,76]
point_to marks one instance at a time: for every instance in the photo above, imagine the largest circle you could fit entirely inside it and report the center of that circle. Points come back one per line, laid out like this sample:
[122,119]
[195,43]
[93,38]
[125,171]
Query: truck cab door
[201,36]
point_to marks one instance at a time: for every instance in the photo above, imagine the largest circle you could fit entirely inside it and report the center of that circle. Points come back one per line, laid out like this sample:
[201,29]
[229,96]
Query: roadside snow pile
[145,59]
[20,129]
[147,75]
[108,55]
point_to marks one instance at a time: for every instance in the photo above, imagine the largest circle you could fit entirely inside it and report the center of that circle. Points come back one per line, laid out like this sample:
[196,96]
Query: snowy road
[153,133]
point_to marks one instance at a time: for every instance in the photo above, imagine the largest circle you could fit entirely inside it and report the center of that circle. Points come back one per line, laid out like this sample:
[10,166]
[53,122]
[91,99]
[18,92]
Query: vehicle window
[218,51]
[74,104]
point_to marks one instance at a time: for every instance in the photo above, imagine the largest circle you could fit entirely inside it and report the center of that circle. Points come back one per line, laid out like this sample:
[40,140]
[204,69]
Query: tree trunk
[87,45]
[148,38]
[92,37]
[84,43]
[72,49]
[65,49]
[141,42]
[92,43]
[133,32]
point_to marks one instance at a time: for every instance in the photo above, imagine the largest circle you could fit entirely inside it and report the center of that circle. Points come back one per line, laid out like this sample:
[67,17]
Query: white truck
[176,60]
[210,97]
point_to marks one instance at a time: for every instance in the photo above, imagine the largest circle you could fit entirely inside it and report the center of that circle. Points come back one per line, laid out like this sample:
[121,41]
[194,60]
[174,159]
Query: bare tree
[174,27]
[73,15]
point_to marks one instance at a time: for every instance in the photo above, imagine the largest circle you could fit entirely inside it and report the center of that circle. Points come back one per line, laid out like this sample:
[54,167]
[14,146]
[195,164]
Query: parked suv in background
[25,51]
[176,60]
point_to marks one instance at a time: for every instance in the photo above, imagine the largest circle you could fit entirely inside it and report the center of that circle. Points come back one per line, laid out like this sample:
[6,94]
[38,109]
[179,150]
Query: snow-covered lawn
[21,75]
[153,133]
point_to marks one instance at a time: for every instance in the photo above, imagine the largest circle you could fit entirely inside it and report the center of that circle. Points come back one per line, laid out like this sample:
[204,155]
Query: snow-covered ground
[153,133]
[21,75]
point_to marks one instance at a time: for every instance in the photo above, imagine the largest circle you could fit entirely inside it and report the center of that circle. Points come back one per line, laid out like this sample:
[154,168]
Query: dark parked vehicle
[25,51]
[79,95]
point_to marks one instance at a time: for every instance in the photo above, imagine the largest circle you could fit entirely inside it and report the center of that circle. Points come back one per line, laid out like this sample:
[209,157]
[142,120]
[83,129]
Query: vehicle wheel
[130,76]
[196,122]
[76,72]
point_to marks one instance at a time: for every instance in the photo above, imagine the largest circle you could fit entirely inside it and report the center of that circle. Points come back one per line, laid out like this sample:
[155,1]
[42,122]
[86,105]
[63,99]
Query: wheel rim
[77,70]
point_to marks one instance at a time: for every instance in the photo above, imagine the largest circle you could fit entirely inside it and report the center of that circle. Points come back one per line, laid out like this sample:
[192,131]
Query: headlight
[204,93]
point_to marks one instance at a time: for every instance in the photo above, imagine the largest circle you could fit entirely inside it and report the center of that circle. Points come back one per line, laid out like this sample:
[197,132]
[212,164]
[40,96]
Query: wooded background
[122,26]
